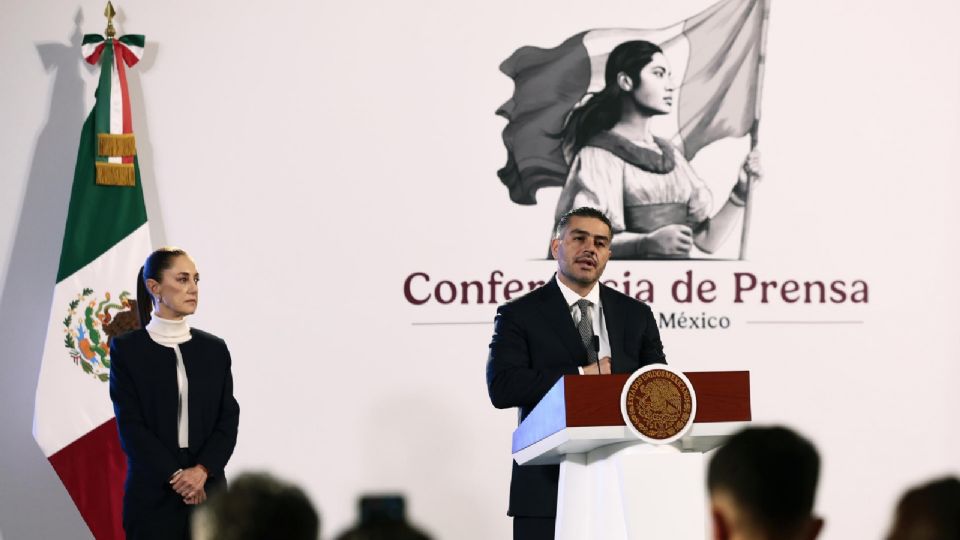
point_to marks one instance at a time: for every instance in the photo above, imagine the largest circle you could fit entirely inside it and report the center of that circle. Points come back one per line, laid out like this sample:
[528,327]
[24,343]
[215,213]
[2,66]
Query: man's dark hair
[382,517]
[383,530]
[929,511]
[583,211]
[256,506]
[772,475]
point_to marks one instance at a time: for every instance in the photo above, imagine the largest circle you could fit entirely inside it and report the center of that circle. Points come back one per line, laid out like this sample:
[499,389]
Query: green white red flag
[104,244]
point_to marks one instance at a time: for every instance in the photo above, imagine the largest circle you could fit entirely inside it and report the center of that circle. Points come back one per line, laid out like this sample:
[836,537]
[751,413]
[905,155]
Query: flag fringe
[116,144]
[115,174]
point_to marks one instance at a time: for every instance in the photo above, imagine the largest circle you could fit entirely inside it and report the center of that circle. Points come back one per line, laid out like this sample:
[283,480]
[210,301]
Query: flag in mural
[715,56]
[104,244]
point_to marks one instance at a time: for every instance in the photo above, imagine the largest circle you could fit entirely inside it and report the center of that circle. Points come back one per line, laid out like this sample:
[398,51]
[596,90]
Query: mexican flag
[715,57]
[105,243]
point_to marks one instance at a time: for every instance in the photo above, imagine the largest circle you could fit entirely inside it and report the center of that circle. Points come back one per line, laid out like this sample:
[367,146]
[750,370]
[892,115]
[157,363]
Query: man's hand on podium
[591,369]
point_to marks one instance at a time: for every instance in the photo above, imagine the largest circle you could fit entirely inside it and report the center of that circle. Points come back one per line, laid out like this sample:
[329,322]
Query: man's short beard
[583,282]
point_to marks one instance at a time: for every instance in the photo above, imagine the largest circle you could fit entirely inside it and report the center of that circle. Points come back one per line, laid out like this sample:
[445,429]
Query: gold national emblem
[658,404]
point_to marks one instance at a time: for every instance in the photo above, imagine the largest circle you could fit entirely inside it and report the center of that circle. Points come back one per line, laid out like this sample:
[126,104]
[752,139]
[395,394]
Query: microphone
[595,343]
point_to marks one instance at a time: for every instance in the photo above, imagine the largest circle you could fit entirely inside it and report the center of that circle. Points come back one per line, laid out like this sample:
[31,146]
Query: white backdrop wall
[312,156]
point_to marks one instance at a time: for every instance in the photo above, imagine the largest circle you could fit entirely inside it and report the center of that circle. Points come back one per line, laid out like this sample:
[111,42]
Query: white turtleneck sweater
[170,333]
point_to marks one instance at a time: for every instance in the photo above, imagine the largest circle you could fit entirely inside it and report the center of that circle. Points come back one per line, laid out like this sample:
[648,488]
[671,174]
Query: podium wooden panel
[613,485]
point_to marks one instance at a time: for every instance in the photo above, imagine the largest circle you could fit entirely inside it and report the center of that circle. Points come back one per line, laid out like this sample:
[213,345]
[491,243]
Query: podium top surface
[577,401]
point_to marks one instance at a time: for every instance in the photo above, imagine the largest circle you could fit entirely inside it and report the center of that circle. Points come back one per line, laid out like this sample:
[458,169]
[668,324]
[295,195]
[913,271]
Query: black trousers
[533,528]
[169,519]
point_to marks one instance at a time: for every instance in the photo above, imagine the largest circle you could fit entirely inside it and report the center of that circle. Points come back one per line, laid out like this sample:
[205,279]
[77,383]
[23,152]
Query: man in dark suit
[572,325]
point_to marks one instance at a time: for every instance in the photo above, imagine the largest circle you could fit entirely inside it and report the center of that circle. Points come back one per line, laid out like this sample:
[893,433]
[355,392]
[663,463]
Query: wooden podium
[613,486]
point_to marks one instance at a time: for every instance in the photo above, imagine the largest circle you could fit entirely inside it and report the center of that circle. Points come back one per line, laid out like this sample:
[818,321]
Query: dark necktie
[585,327]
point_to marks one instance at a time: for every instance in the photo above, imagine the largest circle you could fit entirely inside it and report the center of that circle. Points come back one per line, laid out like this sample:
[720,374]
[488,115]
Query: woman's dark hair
[152,268]
[602,111]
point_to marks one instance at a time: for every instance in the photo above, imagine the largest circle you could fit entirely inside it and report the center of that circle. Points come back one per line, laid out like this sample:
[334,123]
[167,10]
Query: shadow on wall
[33,502]
[38,507]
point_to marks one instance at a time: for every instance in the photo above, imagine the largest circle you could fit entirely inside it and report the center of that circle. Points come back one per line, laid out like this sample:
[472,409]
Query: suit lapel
[613,317]
[557,314]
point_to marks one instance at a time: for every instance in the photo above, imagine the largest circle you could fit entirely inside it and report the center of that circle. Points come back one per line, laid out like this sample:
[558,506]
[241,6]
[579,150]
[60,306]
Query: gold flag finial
[109,13]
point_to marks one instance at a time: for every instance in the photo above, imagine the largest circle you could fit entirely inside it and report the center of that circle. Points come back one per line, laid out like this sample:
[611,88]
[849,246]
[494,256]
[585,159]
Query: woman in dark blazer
[172,393]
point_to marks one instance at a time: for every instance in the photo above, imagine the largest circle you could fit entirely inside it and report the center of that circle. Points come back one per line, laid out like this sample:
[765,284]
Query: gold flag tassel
[115,174]
[116,145]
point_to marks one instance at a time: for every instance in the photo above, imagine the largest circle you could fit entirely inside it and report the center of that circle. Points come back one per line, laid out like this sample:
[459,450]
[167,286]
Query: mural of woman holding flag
[602,117]
[657,204]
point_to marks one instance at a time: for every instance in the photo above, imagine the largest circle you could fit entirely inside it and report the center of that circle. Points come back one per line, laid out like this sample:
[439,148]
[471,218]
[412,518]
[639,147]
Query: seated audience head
[762,484]
[382,517]
[929,512]
[256,506]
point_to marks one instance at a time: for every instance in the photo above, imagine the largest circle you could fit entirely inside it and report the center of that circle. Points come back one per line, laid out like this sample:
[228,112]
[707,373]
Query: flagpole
[109,13]
[755,128]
